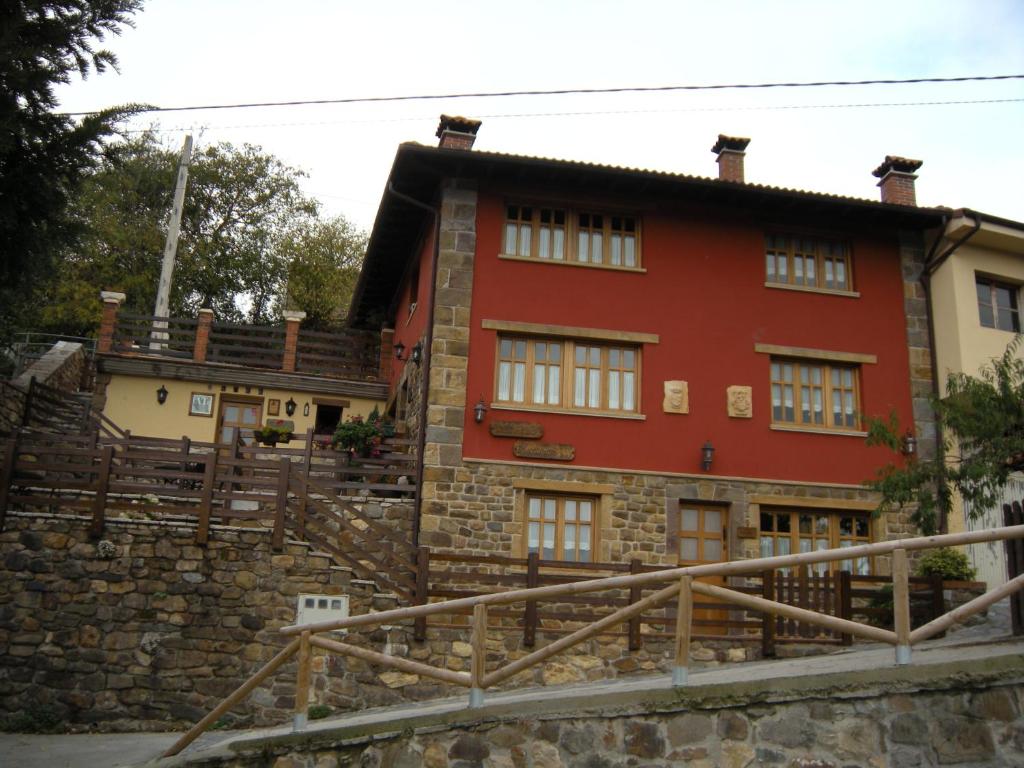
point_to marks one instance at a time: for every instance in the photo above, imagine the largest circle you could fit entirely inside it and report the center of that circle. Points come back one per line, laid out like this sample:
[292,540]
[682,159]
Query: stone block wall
[12,408]
[62,367]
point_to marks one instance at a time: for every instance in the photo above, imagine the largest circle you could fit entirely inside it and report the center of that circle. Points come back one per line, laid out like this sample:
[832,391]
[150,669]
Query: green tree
[43,155]
[981,421]
[241,207]
[324,258]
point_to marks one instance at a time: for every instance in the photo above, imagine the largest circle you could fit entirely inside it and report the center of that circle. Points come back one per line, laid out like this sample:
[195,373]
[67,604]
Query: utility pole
[163,291]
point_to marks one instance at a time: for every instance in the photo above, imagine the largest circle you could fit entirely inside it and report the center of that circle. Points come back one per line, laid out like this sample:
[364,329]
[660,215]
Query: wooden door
[702,540]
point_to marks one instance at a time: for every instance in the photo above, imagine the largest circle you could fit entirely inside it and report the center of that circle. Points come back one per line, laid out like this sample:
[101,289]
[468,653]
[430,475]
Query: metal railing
[678,584]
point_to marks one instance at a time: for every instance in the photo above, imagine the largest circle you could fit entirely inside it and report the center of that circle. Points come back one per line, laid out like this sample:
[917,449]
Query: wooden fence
[1013,515]
[675,585]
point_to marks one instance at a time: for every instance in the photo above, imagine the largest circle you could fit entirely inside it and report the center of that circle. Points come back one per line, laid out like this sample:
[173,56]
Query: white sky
[187,52]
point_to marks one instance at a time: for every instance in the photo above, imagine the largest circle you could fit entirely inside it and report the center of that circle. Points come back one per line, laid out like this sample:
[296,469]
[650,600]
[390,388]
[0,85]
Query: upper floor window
[814,394]
[597,377]
[572,236]
[807,262]
[997,304]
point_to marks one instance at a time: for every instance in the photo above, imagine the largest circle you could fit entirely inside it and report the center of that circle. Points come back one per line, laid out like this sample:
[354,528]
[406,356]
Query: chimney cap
[730,144]
[897,164]
[459,124]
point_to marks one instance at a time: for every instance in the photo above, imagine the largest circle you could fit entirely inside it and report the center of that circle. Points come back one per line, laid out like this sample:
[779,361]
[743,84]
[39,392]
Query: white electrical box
[314,608]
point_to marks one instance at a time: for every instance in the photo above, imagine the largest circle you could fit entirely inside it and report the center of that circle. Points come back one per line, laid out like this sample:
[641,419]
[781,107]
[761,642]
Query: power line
[592,113]
[569,91]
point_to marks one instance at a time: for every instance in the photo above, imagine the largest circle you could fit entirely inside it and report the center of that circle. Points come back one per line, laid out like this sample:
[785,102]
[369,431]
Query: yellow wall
[131,404]
[962,343]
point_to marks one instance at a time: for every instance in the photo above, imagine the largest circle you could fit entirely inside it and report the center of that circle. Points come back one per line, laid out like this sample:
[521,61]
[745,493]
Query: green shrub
[950,564]
[318,711]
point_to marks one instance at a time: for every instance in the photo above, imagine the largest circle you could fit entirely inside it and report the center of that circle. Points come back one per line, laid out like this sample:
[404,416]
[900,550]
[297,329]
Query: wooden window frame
[993,284]
[833,537]
[699,534]
[827,387]
[567,374]
[560,522]
[572,229]
[819,255]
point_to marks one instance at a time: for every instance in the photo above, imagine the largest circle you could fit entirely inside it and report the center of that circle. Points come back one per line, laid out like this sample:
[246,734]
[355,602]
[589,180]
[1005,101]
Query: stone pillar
[446,404]
[387,352]
[112,300]
[202,335]
[291,338]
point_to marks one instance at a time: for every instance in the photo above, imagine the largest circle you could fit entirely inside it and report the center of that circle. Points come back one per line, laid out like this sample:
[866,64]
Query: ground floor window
[785,532]
[561,527]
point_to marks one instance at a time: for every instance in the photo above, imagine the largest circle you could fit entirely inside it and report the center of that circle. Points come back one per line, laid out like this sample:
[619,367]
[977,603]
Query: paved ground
[123,750]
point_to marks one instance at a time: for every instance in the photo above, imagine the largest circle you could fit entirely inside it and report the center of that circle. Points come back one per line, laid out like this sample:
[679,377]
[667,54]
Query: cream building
[977,271]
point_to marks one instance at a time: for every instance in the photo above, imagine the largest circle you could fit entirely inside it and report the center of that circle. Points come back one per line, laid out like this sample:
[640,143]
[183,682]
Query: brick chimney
[730,150]
[897,180]
[457,132]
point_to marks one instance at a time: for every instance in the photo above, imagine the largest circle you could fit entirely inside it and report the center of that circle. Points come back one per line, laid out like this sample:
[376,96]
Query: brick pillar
[111,302]
[291,338]
[730,150]
[897,180]
[387,351]
[202,335]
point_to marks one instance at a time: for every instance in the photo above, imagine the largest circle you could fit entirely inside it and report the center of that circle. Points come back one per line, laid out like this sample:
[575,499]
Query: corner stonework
[915,309]
[449,355]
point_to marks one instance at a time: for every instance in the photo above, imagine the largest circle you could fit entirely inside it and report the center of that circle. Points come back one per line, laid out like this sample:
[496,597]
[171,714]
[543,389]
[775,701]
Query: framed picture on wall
[201,404]
[273,407]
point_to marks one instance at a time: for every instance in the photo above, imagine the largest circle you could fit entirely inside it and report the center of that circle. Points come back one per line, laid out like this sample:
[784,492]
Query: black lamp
[289,407]
[478,411]
[161,395]
[417,353]
[399,349]
[909,444]
[707,453]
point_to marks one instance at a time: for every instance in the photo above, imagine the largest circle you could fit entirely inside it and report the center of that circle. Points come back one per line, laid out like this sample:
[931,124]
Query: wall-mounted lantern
[479,410]
[289,407]
[707,453]
[909,447]
[399,349]
[415,354]
[161,395]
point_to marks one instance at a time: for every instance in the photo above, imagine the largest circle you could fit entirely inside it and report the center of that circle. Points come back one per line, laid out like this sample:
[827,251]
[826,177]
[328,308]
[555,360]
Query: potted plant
[271,434]
[358,436]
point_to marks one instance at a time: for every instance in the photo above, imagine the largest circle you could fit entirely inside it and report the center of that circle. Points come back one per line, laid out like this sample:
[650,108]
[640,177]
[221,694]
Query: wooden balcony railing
[678,585]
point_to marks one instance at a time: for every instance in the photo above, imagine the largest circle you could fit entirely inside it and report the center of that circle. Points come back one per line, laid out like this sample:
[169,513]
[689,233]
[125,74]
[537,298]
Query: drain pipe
[931,266]
[425,364]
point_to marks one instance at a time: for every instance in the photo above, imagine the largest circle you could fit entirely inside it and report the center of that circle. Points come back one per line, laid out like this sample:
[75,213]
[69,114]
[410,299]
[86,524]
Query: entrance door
[235,415]
[702,540]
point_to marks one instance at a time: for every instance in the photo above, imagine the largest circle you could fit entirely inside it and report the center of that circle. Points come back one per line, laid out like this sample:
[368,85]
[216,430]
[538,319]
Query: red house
[614,363]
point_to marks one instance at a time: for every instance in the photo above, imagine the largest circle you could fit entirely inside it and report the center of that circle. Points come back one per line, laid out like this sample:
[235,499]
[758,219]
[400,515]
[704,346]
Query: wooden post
[277,540]
[302,683]
[938,598]
[26,408]
[684,626]
[635,594]
[307,469]
[802,629]
[422,591]
[767,619]
[99,502]
[844,584]
[478,642]
[530,609]
[1015,565]
[163,289]
[206,500]
[901,605]
[6,475]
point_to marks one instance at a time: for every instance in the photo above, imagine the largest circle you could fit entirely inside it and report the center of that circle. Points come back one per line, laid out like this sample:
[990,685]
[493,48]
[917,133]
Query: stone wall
[966,722]
[12,408]
[62,367]
[915,308]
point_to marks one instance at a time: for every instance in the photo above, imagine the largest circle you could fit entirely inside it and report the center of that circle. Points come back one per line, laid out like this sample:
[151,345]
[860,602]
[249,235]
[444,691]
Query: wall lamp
[707,453]
[289,407]
[415,354]
[161,395]
[909,447]
[478,411]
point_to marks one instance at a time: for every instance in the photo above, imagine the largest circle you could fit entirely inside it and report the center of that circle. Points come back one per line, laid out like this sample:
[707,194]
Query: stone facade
[62,367]
[12,408]
[965,726]
[915,307]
